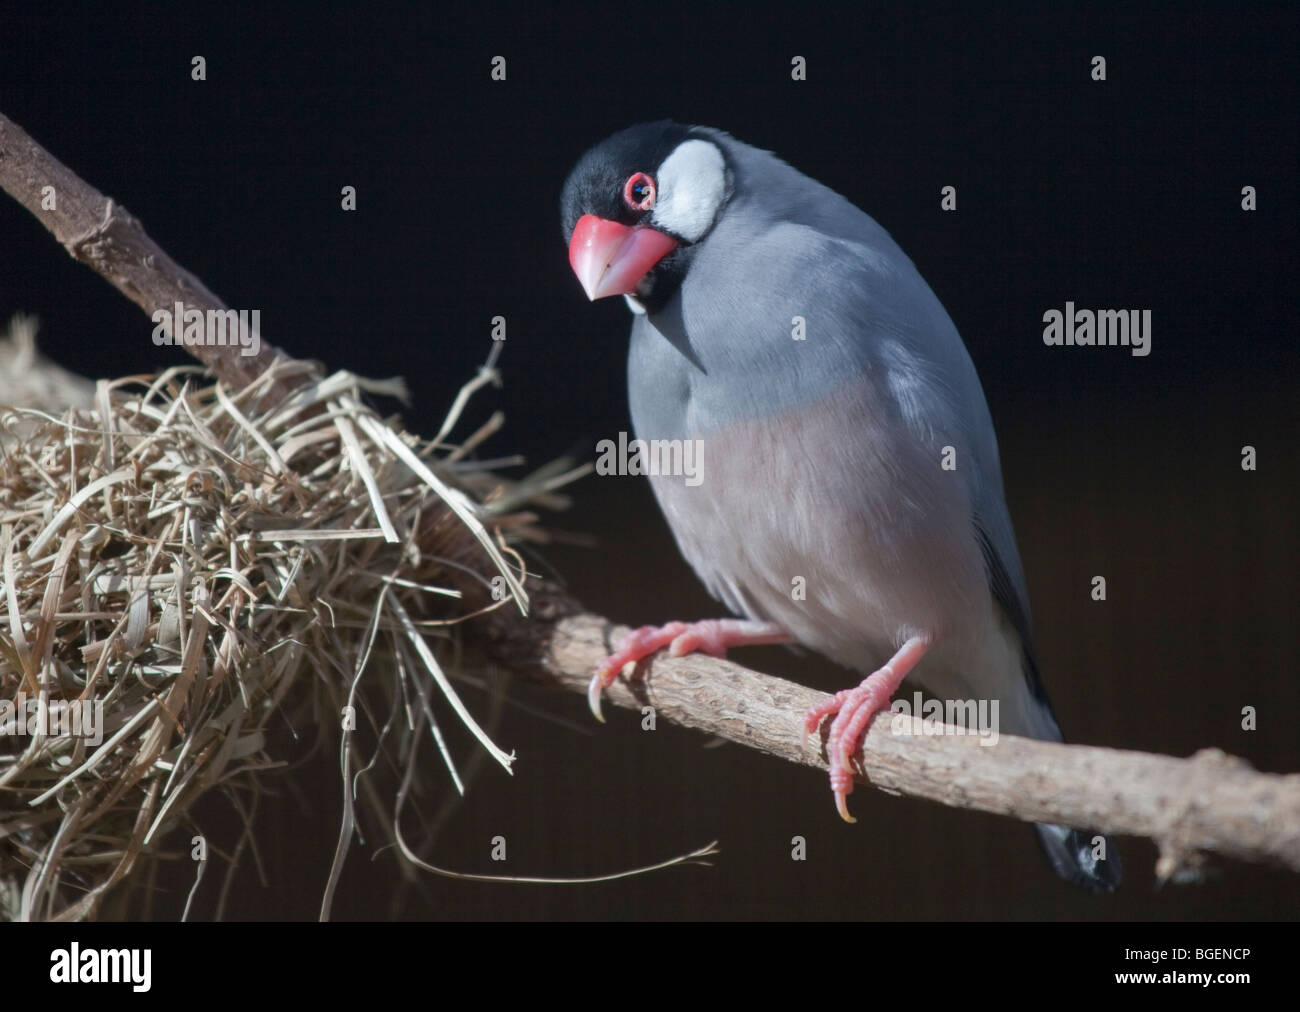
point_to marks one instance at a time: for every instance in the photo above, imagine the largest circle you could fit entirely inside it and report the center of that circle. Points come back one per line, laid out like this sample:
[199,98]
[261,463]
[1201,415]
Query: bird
[849,497]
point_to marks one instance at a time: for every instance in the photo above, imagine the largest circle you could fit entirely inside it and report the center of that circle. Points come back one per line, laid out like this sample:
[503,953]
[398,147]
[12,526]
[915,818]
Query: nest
[179,561]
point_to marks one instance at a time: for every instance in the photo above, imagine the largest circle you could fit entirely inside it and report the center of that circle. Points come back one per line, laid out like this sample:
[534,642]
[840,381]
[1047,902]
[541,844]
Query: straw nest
[196,559]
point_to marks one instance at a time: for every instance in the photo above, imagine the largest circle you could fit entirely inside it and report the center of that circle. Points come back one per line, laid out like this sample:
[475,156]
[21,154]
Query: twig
[1211,802]
[100,233]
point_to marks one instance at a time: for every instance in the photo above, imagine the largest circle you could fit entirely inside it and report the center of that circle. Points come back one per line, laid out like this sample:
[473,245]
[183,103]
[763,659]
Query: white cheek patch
[692,185]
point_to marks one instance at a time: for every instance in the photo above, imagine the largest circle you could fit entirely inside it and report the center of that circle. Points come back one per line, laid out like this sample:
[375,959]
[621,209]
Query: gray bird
[847,494]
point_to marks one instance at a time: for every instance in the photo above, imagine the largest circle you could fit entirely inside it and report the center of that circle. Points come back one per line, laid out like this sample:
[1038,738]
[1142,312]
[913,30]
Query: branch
[1212,802]
[101,234]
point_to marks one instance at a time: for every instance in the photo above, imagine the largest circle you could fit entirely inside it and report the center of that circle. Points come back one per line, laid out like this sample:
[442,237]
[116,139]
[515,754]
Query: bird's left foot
[853,710]
[712,636]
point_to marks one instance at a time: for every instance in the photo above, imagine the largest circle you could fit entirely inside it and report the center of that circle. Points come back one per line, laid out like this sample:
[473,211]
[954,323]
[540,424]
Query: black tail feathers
[1084,859]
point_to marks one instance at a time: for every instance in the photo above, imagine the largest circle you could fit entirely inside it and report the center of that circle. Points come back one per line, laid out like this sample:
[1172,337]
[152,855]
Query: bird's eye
[639,192]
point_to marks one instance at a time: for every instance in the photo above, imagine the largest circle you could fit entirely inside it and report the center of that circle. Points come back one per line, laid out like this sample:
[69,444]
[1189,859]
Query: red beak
[609,258]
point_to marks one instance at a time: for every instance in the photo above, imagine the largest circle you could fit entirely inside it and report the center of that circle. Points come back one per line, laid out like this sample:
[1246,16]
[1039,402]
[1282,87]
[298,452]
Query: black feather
[1009,600]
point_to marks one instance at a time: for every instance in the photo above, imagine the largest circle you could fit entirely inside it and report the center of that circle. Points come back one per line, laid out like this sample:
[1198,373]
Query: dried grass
[197,559]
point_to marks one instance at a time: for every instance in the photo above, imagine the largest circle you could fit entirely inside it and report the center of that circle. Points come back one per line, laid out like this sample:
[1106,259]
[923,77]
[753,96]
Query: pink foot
[853,709]
[712,636]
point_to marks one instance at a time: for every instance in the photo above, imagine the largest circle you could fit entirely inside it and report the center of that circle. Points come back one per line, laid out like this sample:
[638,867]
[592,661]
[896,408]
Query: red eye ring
[639,192]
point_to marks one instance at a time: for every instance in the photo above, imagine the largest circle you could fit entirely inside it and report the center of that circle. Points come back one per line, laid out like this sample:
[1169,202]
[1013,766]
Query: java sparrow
[783,330]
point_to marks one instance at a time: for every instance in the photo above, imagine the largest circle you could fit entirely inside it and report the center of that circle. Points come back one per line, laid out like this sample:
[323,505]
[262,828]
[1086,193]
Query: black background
[1117,194]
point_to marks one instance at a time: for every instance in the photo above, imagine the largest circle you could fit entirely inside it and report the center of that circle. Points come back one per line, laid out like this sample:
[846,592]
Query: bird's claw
[602,680]
[852,710]
[635,646]
[710,636]
[594,692]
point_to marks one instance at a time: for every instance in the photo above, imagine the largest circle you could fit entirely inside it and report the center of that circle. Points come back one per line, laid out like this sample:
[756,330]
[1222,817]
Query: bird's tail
[1081,858]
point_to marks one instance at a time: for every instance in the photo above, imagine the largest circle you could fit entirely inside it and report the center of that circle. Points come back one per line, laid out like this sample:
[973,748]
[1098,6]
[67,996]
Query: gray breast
[823,521]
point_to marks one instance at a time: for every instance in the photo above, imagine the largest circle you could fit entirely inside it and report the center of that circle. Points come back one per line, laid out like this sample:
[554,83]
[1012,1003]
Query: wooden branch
[1211,802]
[101,234]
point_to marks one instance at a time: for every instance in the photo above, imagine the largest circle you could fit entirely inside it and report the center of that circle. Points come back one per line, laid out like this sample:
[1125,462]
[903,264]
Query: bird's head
[635,205]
